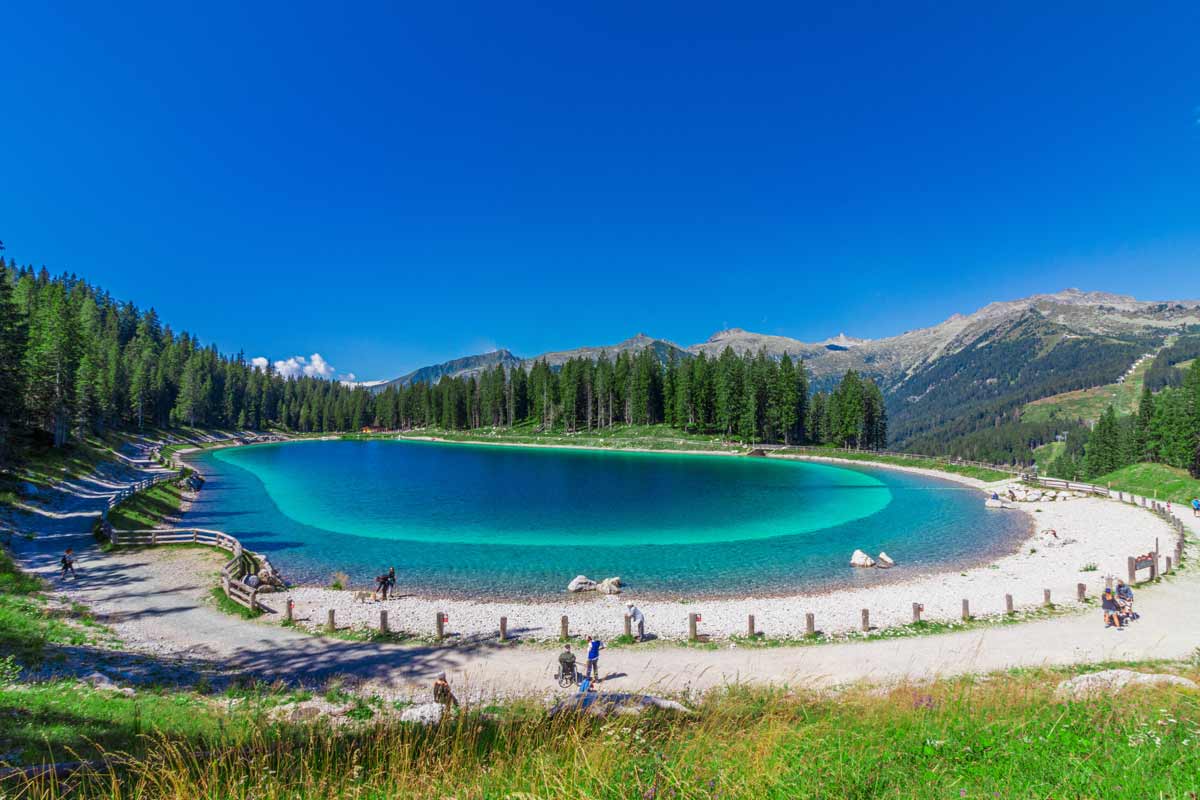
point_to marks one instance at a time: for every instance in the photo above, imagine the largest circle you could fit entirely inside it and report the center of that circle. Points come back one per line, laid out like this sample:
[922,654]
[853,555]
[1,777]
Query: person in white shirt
[637,618]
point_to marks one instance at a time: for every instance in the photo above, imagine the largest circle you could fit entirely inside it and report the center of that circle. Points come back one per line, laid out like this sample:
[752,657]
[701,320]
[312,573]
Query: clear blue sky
[397,184]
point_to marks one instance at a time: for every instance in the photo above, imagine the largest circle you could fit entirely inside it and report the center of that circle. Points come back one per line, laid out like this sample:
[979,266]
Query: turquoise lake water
[475,520]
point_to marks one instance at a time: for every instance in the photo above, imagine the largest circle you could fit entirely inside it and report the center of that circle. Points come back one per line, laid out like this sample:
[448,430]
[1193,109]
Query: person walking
[594,646]
[67,563]
[391,581]
[637,618]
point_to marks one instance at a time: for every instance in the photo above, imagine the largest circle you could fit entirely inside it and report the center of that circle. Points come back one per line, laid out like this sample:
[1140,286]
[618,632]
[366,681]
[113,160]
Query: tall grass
[1005,736]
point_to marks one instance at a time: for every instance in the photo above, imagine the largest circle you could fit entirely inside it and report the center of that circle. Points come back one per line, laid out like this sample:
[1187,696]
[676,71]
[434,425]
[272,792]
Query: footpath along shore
[157,601]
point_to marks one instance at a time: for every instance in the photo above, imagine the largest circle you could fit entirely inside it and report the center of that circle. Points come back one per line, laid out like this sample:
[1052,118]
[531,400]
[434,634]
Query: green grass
[148,508]
[1045,454]
[65,721]
[29,623]
[223,603]
[1089,404]
[1004,736]
[640,437]
[1153,480]
[979,473]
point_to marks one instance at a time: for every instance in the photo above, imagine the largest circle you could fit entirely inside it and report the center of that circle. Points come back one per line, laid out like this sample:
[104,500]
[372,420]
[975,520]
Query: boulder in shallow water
[885,561]
[609,586]
[861,559]
[581,583]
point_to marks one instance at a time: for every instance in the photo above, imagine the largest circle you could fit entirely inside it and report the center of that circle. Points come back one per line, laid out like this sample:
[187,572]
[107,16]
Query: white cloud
[312,367]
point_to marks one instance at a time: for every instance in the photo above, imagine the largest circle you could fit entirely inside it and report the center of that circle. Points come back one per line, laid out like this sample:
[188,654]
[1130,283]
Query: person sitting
[442,694]
[566,662]
[1112,611]
[1125,600]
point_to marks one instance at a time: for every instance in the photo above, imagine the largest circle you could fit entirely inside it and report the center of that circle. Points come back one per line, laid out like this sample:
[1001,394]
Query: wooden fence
[134,488]
[242,562]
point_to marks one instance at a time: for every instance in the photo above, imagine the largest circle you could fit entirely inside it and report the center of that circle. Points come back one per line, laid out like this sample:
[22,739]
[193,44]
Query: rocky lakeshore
[1092,539]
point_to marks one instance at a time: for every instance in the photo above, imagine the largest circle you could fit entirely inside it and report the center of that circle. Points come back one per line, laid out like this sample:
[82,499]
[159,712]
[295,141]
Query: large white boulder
[885,561]
[581,583]
[424,713]
[609,586]
[1111,681]
[861,559]
[1034,496]
[991,502]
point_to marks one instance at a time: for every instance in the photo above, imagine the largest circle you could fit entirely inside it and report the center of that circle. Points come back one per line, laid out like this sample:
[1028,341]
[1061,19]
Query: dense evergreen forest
[745,397]
[1165,429]
[74,361]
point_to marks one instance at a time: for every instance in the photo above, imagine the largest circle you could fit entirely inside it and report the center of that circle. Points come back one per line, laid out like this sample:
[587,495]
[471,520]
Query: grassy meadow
[1089,404]
[1153,480]
[1001,735]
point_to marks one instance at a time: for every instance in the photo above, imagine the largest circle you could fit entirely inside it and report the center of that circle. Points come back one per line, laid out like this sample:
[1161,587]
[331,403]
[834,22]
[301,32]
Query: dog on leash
[362,597]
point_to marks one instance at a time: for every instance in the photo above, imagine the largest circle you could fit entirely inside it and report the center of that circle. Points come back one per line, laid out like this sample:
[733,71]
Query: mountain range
[964,373]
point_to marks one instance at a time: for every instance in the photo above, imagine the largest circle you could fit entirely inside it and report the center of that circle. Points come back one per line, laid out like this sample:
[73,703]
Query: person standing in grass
[67,562]
[442,693]
[594,646]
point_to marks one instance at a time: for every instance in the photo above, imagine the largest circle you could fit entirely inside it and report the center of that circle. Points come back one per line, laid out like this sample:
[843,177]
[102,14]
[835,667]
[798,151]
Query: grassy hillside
[1153,480]
[1004,736]
[1089,404]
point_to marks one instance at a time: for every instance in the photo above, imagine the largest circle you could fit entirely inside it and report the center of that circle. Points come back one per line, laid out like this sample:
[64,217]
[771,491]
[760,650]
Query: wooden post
[810,624]
[504,629]
[1168,568]
[195,536]
[1008,604]
[1080,591]
[1045,597]
[1132,564]
[289,610]
[692,627]
[440,622]
[866,619]
[966,611]
[330,625]
[750,626]
[383,626]
[629,626]
[1154,566]
[564,628]
[916,612]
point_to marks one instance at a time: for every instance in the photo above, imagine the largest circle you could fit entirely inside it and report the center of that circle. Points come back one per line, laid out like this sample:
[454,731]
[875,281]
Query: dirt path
[157,601]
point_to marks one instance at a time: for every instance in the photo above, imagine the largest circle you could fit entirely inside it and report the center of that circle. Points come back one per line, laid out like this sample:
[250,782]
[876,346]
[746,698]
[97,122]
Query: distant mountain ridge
[960,372]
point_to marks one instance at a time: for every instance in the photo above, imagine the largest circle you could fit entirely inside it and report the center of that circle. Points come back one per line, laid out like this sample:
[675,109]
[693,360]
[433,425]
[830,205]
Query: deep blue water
[477,520]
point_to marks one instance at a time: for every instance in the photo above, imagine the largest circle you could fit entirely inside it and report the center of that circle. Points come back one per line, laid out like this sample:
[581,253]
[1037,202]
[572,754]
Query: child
[1108,603]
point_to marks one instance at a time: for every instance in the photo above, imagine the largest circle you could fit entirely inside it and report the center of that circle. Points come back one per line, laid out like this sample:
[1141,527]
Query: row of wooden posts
[810,620]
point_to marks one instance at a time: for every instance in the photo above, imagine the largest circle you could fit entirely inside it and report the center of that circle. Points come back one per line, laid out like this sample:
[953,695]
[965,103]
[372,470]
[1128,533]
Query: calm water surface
[501,521]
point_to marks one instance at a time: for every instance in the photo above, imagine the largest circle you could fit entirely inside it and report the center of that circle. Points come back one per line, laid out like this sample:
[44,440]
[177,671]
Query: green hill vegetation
[1153,480]
[1089,404]
[1005,736]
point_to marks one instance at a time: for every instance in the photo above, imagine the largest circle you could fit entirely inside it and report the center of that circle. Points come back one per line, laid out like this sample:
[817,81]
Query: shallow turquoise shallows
[515,522]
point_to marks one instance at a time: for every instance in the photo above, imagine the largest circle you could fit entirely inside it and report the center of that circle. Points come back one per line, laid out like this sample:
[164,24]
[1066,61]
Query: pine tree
[12,377]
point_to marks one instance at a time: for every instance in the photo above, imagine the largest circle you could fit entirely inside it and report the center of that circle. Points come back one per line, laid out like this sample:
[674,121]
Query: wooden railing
[134,488]
[241,563]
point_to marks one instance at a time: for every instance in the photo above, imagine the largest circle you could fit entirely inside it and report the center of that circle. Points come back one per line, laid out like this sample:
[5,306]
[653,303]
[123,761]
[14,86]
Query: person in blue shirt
[1196,506]
[594,646]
